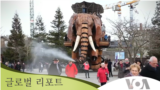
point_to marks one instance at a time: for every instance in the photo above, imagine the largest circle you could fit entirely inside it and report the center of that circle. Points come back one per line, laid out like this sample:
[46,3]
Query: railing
[105,38]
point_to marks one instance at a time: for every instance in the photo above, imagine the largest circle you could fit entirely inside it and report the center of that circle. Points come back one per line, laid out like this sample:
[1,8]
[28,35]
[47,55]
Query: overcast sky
[47,8]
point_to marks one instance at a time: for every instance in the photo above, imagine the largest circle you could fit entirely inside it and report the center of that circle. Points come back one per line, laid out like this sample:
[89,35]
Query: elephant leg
[94,58]
[75,55]
[95,65]
[94,55]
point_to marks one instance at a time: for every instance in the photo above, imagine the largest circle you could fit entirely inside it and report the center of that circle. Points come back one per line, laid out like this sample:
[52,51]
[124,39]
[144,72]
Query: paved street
[93,75]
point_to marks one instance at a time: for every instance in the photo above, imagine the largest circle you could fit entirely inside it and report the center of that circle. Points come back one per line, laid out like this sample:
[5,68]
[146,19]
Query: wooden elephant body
[85,38]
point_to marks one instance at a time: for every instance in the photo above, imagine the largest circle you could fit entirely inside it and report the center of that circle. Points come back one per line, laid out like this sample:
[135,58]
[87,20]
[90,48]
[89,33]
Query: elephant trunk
[84,42]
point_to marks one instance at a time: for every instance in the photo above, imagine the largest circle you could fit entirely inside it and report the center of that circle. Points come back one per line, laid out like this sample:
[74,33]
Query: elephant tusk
[76,43]
[91,43]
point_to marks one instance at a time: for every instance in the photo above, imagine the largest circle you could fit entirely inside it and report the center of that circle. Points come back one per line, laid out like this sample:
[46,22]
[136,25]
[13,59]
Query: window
[83,10]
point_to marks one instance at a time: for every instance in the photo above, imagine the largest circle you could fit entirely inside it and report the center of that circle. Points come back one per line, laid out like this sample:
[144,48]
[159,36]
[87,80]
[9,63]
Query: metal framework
[131,14]
[86,7]
[117,7]
[31,18]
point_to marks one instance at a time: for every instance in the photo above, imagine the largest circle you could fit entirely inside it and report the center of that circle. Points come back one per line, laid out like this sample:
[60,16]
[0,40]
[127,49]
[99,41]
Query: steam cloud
[41,50]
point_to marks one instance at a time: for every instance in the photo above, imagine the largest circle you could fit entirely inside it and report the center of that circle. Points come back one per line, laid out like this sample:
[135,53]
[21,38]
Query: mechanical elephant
[84,33]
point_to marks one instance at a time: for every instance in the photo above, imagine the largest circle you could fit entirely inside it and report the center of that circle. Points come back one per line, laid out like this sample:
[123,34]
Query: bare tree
[154,46]
[131,39]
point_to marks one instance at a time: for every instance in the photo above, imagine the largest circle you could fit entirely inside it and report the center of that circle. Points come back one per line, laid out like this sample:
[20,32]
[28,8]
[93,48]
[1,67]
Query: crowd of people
[21,66]
[151,70]
[16,66]
[125,69]
[56,69]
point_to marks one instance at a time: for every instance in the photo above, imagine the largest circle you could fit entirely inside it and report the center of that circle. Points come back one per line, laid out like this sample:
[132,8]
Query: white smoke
[40,50]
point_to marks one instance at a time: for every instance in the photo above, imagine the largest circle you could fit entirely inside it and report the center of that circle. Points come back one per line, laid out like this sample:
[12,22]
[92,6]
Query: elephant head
[84,30]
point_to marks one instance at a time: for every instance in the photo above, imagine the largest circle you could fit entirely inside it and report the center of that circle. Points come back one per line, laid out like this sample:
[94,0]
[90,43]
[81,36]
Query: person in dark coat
[139,63]
[18,67]
[151,70]
[12,66]
[15,65]
[119,65]
[59,66]
[110,68]
[23,67]
[126,67]
[55,68]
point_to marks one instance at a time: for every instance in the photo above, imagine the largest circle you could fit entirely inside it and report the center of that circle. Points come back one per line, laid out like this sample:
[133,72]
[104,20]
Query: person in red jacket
[71,70]
[102,74]
[86,68]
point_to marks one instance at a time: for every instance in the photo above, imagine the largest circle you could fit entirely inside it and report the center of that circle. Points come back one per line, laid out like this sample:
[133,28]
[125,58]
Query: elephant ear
[98,27]
[70,34]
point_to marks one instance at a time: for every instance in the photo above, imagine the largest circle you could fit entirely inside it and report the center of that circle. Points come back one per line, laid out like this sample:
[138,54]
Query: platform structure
[86,7]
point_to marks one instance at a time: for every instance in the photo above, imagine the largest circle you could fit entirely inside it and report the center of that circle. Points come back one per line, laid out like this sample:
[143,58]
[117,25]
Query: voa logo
[137,84]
